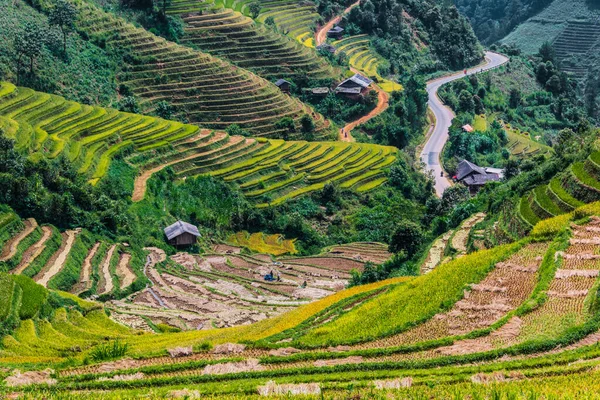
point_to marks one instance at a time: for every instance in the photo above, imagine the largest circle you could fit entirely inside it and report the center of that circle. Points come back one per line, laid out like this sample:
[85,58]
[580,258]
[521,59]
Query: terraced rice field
[202,89]
[365,59]
[577,186]
[233,36]
[294,18]
[270,172]
[521,145]
[260,242]
[221,290]
[363,251]
[498,306]
[67,261]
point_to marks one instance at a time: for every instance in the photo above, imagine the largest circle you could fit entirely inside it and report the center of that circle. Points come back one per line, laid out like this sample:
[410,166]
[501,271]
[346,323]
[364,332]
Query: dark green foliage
[53,192]
[236,130]
[451,37]
[492,20]
[129,104]
[254,9]
[87,75]
[63,16]
[164,110]
[407,238]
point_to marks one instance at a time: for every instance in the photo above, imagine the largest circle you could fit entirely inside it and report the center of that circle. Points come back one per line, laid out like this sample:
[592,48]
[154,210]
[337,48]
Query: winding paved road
[443,120]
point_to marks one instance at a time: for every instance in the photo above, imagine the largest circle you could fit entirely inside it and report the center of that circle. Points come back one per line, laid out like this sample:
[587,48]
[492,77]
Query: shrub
[109,351]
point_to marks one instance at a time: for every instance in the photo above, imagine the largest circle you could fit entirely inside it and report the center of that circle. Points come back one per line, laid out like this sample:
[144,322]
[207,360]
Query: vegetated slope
[75,261]
[229,34]
[200,88]
[294,18]
[573,29]
[529,308]
[493,21]
[41,326]
[268,171]
[364,58]
[578,185]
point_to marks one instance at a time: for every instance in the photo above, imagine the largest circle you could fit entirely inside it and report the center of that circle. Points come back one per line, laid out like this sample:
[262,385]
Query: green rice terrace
[230,34]
[202,89]
[267,171]
[578,185]
[503,319]
[364,58]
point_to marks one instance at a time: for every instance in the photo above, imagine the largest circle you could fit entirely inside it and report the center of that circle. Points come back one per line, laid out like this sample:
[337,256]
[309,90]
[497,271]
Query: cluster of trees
[54,192]
[403,122]
[494,19]
[448,35]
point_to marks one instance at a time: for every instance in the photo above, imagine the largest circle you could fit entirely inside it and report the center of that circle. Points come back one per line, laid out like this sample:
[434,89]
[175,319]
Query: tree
[287,125]
[465,101]
[511,169]
[29,44]
[514,100]
[255,9]
[164,110]
[553,85]
[270,21]
[453,196]
[129,104]
[547,52]
[407,238]
[63,16]
[308,125]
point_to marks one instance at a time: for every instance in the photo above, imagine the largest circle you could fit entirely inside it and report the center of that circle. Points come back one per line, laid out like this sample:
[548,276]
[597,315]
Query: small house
[336,32]
[327,47]
[475,177]
[181,234]
[283,85]
[354,87]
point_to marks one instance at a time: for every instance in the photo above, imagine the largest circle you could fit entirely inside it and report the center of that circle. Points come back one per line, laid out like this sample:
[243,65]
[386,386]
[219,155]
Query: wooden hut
[336,32]
[283,85]
[181,234]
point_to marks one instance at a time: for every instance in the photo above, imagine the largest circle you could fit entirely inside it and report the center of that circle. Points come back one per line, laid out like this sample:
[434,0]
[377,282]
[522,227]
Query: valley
[338,199]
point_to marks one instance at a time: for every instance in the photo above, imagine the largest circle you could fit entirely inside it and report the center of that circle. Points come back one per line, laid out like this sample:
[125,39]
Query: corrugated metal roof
[281,82]
[465,168]
[179,228]
[357,79]
[350,90]
[336,29]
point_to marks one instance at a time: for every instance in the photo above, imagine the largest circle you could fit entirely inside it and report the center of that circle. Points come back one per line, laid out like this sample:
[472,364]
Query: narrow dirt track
[382,105]
[321,34]
[57,262]
[34,251]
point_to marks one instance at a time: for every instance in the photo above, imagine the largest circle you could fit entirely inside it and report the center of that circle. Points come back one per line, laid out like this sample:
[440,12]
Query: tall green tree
[63,15]
[255,9]
[29,44]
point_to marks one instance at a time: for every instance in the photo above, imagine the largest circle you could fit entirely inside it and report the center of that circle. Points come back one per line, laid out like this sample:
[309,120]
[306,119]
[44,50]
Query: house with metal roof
[181,234]
[283,85]
[354,86]
[474,176]
[335,32]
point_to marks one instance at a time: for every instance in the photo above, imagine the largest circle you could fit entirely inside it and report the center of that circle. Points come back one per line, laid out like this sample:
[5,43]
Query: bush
[109,351]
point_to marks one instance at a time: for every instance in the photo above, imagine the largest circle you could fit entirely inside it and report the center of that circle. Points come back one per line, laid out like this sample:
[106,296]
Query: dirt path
[126,276]
[321,34]
[58,260]
[106,283]
[10,249]
[382,105]
[34,251]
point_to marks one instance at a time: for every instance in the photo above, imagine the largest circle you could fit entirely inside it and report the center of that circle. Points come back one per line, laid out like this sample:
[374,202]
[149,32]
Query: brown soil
[124,272]
[85,281]
[338,361]
[274,389]
[10,248]
[106,284]
[57,261]
[30,378]
[251,364]
[34,251]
